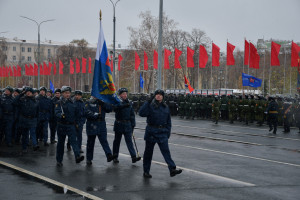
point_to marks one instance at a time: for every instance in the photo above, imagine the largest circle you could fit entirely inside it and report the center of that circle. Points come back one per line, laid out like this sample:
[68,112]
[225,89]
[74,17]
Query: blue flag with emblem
[141,81]
[251,81]
[51,86]
[103,86]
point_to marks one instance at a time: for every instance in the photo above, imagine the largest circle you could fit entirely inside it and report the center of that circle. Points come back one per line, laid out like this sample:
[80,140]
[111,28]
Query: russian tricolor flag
[103,87]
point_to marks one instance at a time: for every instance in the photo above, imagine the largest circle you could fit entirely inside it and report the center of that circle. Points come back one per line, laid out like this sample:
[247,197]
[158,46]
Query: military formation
[248,109]
[28,114]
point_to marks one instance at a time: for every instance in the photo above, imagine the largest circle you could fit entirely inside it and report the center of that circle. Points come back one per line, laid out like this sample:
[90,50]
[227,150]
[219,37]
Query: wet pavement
[221,161]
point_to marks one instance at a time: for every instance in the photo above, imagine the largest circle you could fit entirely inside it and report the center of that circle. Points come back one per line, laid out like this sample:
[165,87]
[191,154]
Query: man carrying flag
[103,94]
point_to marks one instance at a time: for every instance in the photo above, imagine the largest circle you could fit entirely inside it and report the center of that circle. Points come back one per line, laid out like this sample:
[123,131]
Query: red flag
[111,63]
[35,70]
[77,66]
[246,53]
[90,65]
[120,58]
[294,54]
[19,71]
[15,71]
[145,61]
[187,84]
[190,57]
[71,67]
[230,59]
[203,57]
[42,71]
[61,67]
[275,48]
[137,61]
[215,55]
[54,68]
[176,59]
[254,57]
[166,59]
[10,71]
[45,71]
[83,63]
[155,60]
[30,70]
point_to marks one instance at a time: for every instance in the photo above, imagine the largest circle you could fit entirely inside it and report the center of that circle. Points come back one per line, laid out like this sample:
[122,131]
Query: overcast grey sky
[220,19]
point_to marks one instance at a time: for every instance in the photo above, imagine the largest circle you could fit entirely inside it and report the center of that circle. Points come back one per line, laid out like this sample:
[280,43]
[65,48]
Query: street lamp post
[114,40]
[39,53]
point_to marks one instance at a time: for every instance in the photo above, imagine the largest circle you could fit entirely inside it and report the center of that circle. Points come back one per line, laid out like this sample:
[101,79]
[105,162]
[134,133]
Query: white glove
[96,114]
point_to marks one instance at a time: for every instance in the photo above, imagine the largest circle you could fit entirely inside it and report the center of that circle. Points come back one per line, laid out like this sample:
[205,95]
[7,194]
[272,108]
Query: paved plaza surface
[224,161]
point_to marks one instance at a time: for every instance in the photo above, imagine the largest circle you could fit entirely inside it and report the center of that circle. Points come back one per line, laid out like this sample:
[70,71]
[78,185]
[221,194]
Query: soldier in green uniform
[240,108]
[198,108]
[209,102]
[246,109]
[216,109]
[203,107]
[193,103]
[181,105]
[252,108]
[187,107]
[280,111]
[232,109]
[224,107]
[259,111]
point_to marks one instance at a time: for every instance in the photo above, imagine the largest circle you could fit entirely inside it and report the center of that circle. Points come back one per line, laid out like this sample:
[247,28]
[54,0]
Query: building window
[23,57]
[29,58]
[23,49]
[29,49]
[14,48]
[4,48]
[14,58]
[49,53]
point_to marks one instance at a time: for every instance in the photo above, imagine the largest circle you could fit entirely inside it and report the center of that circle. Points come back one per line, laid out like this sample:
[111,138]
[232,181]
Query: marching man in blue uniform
[8,111]
[158,130]
[67,115]
[124,124]
[95,111]
[45,112]
[29,110]
[79,127]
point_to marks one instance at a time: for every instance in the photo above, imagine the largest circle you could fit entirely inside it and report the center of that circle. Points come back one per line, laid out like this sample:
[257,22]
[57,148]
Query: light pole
[39,53]
[114,40]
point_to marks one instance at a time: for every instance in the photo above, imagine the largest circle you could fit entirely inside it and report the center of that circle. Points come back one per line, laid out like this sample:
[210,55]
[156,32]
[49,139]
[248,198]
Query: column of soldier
[27,114]
[248,109]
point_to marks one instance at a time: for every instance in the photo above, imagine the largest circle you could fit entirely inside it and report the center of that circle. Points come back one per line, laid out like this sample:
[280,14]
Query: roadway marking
[51,181]
[239,155]
[222,178]
[213,176]
[226,153]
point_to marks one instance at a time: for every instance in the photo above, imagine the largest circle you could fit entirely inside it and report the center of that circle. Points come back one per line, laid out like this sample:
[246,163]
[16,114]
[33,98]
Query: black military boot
[69,147]
[59,164]
[36,148]
[89,162]
[271,129]
[135,159]
[46,144]
[175,171]
[110,157]
[116,160]
[79,159]
[147,175]
[274,132]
